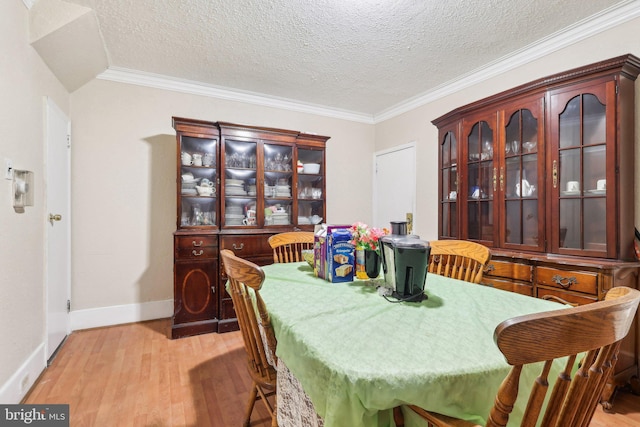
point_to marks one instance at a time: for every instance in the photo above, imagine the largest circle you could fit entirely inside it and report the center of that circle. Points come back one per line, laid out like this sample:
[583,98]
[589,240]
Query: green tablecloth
[357,355]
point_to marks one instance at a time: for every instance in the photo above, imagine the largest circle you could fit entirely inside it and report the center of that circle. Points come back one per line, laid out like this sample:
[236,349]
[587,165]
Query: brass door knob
[56,217]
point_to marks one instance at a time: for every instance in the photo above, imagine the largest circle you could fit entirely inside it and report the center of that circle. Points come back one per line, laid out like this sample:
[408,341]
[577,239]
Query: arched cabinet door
[520,189]
[448,226]
[478,181]
[583,169]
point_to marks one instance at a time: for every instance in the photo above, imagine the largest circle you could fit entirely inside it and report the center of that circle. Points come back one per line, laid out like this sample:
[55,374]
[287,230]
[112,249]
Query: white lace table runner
[294,406]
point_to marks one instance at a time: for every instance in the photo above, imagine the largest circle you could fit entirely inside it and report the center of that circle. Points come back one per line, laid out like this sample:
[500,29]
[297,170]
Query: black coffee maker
[405,260]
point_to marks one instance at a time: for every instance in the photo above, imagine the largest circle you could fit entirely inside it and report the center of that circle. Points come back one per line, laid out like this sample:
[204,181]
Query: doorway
[394,185]
[58,225]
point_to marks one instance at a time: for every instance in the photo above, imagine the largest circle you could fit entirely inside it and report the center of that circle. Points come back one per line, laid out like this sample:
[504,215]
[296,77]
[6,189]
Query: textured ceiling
[362,56]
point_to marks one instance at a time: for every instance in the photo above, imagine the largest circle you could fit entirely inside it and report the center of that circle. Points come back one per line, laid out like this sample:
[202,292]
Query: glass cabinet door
[580,122]
[449,186]
[480,181]
[197,201]
[520,178]
[239,204]
[310,186]
[278,181]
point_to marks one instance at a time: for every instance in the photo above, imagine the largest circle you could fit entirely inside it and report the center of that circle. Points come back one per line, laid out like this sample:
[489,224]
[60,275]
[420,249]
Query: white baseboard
[119,314]
[14,390]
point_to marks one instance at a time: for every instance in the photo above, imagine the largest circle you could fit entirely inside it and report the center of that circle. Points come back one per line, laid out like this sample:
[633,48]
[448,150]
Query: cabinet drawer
[196,253]
[509,270]
[564,297]
[579,281]
[195,242]
[520,288]
[247,246]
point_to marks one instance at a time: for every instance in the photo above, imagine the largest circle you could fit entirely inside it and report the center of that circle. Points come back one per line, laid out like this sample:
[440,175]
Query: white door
[58,226]
[394,191]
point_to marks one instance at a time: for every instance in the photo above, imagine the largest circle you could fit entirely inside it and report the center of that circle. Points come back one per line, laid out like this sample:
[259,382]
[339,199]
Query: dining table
[356,355]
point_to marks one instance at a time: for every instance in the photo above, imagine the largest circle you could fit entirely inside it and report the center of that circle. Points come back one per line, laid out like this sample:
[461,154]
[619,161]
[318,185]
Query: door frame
[408,146]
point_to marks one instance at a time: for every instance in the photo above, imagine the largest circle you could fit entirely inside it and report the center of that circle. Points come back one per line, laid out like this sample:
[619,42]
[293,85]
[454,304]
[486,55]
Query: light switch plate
[8,169]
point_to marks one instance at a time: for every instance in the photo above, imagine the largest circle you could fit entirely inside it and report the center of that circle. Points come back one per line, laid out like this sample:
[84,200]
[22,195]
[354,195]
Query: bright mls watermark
[34,415]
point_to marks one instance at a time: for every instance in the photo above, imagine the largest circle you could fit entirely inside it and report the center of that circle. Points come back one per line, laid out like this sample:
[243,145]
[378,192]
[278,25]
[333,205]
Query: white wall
[415,125]
[123,169]
[24,81]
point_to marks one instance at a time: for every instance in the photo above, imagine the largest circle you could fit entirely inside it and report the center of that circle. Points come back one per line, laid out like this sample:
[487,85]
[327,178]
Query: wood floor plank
[134,375]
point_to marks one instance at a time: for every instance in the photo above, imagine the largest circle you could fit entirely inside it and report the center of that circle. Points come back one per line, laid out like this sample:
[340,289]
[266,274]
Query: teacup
[249,221]
[601,184]
[251,213]
[206,183]
[197,159]
[453,195]
[573,186]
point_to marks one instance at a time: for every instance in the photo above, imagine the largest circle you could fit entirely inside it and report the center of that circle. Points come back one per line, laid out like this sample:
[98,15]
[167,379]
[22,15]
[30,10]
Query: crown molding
[608,18]
[139,78]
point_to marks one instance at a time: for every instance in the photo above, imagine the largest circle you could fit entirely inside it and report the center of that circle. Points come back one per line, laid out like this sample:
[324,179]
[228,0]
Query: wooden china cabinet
[543,174]
[263,181]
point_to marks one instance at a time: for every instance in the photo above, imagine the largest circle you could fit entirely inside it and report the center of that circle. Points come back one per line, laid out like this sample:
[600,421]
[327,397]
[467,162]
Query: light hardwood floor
[133,375]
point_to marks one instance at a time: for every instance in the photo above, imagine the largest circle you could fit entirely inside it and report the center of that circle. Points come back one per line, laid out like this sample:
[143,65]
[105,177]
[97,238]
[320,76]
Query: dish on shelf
[189,192]
[570,193]
[236,182]
[596,191]
[234,192]
[311,168]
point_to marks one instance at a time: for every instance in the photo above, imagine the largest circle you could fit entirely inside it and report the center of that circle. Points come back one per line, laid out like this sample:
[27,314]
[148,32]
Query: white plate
[594,191]
[570,193]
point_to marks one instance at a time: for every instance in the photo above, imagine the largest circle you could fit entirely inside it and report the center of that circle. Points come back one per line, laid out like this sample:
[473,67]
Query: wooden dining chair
[594,329]
[288,247]
[459,259]
[245,281]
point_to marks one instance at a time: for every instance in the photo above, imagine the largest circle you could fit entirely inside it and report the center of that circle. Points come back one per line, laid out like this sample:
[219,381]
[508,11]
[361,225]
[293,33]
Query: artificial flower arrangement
[365,237]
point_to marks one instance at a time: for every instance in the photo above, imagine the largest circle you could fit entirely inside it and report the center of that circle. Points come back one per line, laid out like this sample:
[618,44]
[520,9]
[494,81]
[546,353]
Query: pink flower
[365,237]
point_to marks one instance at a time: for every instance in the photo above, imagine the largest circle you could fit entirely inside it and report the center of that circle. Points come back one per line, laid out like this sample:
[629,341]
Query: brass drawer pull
[197,245]
[197,253]
[238,248]
[564,282]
